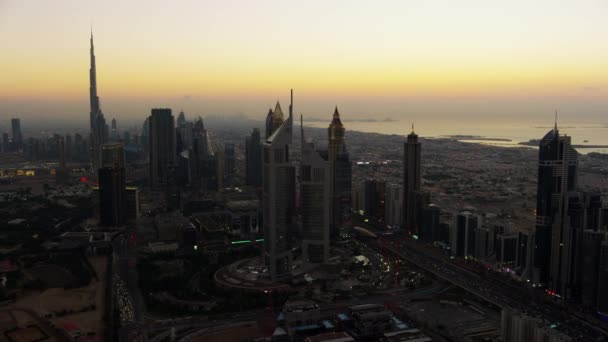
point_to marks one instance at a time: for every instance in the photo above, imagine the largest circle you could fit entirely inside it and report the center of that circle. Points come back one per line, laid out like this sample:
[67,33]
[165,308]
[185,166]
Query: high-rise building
[314,202]
[113,155]
[602,281]
[557,168]
[114,130]
[162,146]
[590,267]
[220,166]
[229,164]
[17,135]
[99,128]
[6,145]
[411,181]
[340,176]
[112,194]
[278,194]
[274,119]
[394,205]
[374,201]
[69,148]
[61,173]
[429,222]
[181,119]
[204,162]
[132,203]
[253,159]
[516,327]
[463,237]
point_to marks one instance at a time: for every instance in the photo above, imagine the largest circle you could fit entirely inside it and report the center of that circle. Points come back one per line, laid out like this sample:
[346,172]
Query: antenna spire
[302,131]
[555,120]
[291,103]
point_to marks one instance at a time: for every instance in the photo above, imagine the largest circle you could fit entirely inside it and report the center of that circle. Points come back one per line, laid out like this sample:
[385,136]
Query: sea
[587,137]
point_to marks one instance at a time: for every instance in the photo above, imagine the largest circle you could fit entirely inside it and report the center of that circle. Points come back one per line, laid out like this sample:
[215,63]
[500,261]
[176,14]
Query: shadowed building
[278,194]
[99,128]
[411,181]
[253,156]
[314,202]
[17,135]
[557,175]
[112,194]
[162,146]
[340,177]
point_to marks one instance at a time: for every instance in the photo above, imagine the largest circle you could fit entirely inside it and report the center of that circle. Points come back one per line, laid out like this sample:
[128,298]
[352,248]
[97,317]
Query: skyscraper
[229,164]
[17,135]
[590,267]
[374,201]
[463,235]
[602,284]
[253,156]
[162,146]
[557,167]
[274,119]
[112,195]
[278,188]
[5,142]
[411,181]
[394,205]
[314,202]
[61,173]
[114,135]
[113,155]
[340,176]
[99,128]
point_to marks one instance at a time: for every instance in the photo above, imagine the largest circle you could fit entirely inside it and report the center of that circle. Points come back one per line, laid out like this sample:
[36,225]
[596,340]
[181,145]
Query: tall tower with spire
[411,181]
[99,128]
[557,176]
[314,202]
[278,195]
[340,173]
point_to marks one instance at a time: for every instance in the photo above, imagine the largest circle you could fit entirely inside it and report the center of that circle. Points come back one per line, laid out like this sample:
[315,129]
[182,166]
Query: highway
[499,293]
[126,288]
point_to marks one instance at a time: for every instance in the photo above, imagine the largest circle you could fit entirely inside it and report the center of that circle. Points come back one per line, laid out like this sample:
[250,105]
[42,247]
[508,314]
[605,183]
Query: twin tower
[324,189]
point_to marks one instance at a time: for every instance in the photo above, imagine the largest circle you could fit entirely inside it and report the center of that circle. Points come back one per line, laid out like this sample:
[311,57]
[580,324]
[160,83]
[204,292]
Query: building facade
[411,181]
[162,147]
[278,195]
[557,175]
[315,203]
[253,159]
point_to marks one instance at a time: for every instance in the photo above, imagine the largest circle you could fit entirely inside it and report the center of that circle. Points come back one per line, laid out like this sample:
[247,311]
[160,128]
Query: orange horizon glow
[435,48]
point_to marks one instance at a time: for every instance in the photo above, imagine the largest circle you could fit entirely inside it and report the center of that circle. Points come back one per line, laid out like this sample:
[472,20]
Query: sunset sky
[389,57]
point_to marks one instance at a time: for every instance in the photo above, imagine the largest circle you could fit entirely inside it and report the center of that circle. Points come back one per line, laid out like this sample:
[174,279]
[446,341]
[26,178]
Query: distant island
[475,137]
[535,142]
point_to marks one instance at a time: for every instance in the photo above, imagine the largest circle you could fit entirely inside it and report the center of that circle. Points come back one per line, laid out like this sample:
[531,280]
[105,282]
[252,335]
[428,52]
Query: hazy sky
[473,58]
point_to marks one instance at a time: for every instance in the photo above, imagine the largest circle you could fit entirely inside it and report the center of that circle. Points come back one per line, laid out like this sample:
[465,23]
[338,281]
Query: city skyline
[476,61]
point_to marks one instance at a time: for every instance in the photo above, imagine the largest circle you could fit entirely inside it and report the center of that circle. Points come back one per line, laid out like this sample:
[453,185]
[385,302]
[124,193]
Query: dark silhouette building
[602,285]
[374,202]
[278,194]
[411,181]
[557,175]
[99,128]
[112,194]
[253,159]
[314,202]
[17,135]
[340,177]
[162,147]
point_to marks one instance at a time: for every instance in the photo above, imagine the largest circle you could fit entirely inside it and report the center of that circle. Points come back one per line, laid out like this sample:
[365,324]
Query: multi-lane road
[130,303]
[499,293]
